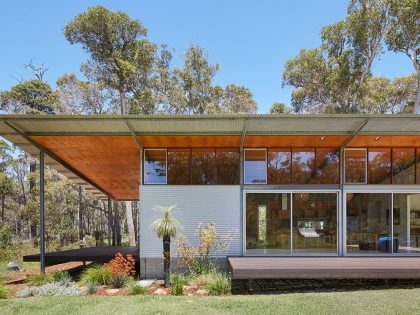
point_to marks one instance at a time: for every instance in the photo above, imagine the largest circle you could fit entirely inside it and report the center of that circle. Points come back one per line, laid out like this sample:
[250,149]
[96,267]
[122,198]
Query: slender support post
[342,241]
[241,190]
[41,212]
[109,221]
[80,217]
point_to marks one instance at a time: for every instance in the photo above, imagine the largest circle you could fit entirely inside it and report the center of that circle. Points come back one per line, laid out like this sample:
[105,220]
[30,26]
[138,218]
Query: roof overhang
[101,152]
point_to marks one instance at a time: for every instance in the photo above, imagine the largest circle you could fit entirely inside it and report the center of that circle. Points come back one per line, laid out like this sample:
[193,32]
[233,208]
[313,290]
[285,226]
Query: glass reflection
[155,166]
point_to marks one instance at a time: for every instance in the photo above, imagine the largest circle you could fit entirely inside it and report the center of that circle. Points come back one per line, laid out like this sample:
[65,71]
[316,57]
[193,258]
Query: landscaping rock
[146,283]
[112,291]
[161,291]
[201,292]
[13,265]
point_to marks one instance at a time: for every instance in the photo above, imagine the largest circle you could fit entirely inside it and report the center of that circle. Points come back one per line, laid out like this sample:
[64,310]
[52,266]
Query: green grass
[39,279]
[96,274]
[392,301]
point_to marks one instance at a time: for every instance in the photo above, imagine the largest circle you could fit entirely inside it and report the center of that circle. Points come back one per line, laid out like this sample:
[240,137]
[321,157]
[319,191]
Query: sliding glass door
[291,223]
[383,223]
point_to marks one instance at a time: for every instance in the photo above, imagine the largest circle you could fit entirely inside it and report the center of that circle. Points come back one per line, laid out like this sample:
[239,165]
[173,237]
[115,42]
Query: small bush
[50,289]
[135,289]
[4,293]
[59,276]
[97,274]
[219,284]
[91,288]
[178,281]
[119,281]
[39,279]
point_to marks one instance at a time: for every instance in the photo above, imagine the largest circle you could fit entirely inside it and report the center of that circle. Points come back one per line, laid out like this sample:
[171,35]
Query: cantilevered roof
[101,152]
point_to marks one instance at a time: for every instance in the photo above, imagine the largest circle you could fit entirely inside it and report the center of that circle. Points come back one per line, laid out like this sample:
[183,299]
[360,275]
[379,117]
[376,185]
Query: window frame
[166,165]
[345,166]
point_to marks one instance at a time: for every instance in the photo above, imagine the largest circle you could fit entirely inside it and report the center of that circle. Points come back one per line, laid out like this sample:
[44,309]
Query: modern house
[307,186]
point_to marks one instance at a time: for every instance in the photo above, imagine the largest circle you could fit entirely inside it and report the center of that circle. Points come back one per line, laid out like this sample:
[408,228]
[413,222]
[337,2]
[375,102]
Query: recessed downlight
[322,138]
[377,138]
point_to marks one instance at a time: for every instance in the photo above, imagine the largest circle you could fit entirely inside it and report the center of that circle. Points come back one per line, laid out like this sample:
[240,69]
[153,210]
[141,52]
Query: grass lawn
[392,301]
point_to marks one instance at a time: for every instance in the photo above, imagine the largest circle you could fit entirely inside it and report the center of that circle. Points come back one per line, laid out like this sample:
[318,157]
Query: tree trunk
[2,210]
[117,225]
[417,101]
[130,223]
[166,259]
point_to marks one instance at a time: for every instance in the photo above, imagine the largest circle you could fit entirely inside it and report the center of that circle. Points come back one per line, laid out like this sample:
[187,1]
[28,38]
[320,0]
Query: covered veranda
[103,153]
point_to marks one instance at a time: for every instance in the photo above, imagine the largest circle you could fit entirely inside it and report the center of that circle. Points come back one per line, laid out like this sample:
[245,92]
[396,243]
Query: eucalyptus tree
[404,35]
[280,108]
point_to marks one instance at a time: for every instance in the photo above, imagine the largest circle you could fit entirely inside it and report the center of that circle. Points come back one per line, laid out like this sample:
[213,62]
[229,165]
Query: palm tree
[166,227]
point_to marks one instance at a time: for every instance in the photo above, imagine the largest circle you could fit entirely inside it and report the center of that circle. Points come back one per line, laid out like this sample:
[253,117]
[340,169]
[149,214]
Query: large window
[255,166]
[303,166]
[275,226]
[403,166]
[314,222]
[379,166]
[178,166]
[374,228]
[154,166]
[355,166]
[279,166]
[368,223]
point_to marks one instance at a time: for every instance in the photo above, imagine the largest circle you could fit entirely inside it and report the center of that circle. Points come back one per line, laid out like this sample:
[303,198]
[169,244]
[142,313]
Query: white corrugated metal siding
[196,204]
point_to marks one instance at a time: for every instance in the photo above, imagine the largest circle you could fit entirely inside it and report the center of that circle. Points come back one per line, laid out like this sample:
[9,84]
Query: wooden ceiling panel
[293,141]
[111,162]
[190,141]
[385,141]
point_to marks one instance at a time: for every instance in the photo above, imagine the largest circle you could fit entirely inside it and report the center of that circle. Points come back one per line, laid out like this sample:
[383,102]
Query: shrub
[121,265]
[218,284]
[4,293]
[50,289]
[135,289]
[91,288]
[197,258]
[119,281]
[62,275]
[39,279]
[178,281]
[9,249]
[96,274]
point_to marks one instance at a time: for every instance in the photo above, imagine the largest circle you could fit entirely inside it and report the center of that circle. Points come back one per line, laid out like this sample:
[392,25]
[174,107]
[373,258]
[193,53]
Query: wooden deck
[100,254]
[324,267]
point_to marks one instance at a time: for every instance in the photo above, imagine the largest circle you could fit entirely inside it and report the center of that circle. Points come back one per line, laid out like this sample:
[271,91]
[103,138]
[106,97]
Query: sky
[250,40]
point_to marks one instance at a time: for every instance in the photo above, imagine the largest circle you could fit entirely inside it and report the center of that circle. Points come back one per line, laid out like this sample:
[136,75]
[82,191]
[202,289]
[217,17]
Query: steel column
[41,211]
[241,185]
[109,221]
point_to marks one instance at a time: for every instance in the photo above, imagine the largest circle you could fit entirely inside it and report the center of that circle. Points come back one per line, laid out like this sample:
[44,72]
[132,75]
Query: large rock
[112,291]
[161,291]
[145,283]
[13,265]
[201,292]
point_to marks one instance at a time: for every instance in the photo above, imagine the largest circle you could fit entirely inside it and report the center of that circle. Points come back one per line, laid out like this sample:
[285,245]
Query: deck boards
[324,267]
[100,254]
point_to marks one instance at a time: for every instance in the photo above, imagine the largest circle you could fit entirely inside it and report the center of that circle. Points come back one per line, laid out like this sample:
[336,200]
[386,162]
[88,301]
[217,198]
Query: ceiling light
[322,138]
[377,138]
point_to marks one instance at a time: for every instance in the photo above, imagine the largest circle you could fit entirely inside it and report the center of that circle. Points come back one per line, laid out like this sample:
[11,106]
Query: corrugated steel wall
[196,204]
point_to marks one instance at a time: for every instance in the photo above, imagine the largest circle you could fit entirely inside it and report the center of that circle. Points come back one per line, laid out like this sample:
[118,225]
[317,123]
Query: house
[306,186]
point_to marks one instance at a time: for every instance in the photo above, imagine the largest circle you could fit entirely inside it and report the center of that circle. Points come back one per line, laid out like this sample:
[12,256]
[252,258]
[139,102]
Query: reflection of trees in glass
[303,166]
[379,166]
[327,166]
[155,166]
[227,162]
[403,166]
[178,165]
[279,166]
[355,166]
[203,166]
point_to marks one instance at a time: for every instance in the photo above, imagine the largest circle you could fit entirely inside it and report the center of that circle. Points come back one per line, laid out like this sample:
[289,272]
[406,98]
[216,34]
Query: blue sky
[251,40]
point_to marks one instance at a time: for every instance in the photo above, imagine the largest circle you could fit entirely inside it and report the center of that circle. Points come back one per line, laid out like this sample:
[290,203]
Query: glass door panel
[268,223]
[314,223]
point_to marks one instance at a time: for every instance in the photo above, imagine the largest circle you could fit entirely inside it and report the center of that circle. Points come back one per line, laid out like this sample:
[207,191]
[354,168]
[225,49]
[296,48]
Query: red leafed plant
[121,265]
